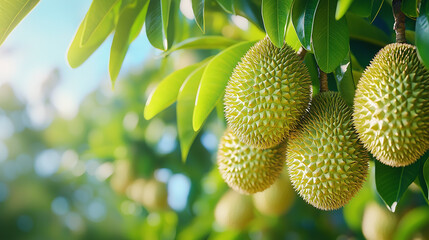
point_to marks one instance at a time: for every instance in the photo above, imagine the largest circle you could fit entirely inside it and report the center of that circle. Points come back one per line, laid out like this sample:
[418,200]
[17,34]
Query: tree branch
[323,78]
[399,25]
[301,53]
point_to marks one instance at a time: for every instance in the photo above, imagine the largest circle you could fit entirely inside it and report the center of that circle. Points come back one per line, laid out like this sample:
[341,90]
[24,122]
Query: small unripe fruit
[391,106]
[327,164]
[234,210]
[247,169]
[277,199]
[378,223]
[266,95]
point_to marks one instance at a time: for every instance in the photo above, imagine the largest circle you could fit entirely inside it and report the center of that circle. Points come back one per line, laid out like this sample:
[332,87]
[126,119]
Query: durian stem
[323,78]
[399,25]
[301,52]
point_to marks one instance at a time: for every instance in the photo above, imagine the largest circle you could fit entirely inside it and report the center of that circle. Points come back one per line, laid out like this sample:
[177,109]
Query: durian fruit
[327,164]
[277,199]
[391,106]
[378,223]
[267,94]
[155,195]
[234,210]
[246,169]
[122,176]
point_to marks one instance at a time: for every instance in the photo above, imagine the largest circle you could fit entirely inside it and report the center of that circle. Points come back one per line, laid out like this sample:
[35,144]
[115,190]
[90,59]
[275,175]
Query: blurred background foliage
[108,173]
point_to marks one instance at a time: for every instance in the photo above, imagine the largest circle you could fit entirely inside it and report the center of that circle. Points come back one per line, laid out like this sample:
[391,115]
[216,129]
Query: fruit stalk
[323,78]
[301,52]
[399,25]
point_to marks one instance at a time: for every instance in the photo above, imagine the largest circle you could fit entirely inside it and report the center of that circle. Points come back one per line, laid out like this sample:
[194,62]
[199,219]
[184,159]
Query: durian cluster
[273,121]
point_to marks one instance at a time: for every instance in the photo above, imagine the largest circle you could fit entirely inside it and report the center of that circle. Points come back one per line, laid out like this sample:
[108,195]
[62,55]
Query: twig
[399,25]
[323,78]
[301,52]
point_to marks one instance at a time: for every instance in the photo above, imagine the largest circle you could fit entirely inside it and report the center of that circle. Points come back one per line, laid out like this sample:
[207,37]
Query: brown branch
[301,52]
[323,78]
[399,25]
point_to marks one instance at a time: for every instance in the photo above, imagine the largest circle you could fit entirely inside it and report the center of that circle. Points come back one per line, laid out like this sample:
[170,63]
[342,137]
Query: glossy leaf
[275,14]
[99,10]
[345,84]
[166,92]
[302,19]
[226,5]
[78,53]
[185,108]
[426,171]
[249,10]
[291,37]
[11,13]
[203,42]
[330,38]
[410,7]
[129,26]
[361,29]
[157,23]
[422,33]
[198,9]
[414,220]
[392,182]
[342,7]
[422,174]
[362,8]
[311,64]
[215,79]
[376,6]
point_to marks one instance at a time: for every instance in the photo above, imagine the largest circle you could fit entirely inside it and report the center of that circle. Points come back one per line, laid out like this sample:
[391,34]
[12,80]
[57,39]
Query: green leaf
[410,7]
[362,8]
[302,19]
[391,182]
[185,108]
[353,211]
[422,33]
[226,5]
[204,42]
[78,53]
[375,9]
[414,220]
[362,30]
[314,74]
[198,9]
[345,84]
[166,92]
[275,14]
[426,171]
[129,26]
[11,13]
[342,7]
[421,177]
[291,37]
[215,79]
[99,10]
[330,38]
[249,10]
[157,23]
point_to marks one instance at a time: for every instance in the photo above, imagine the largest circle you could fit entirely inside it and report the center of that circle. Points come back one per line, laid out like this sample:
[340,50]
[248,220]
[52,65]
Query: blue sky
[40,42]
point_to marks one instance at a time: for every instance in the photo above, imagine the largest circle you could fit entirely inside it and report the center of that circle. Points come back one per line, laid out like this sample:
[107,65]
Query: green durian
[246,169]
[277,199]
[267,94]
[234,210]
[327,164]
[391,106]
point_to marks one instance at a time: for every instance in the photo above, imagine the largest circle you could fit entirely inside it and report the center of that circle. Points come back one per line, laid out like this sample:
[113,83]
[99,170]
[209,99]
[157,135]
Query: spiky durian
[266,95]
[327,164]
[277,199]
[247,169]
[391,106]
[234,210]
